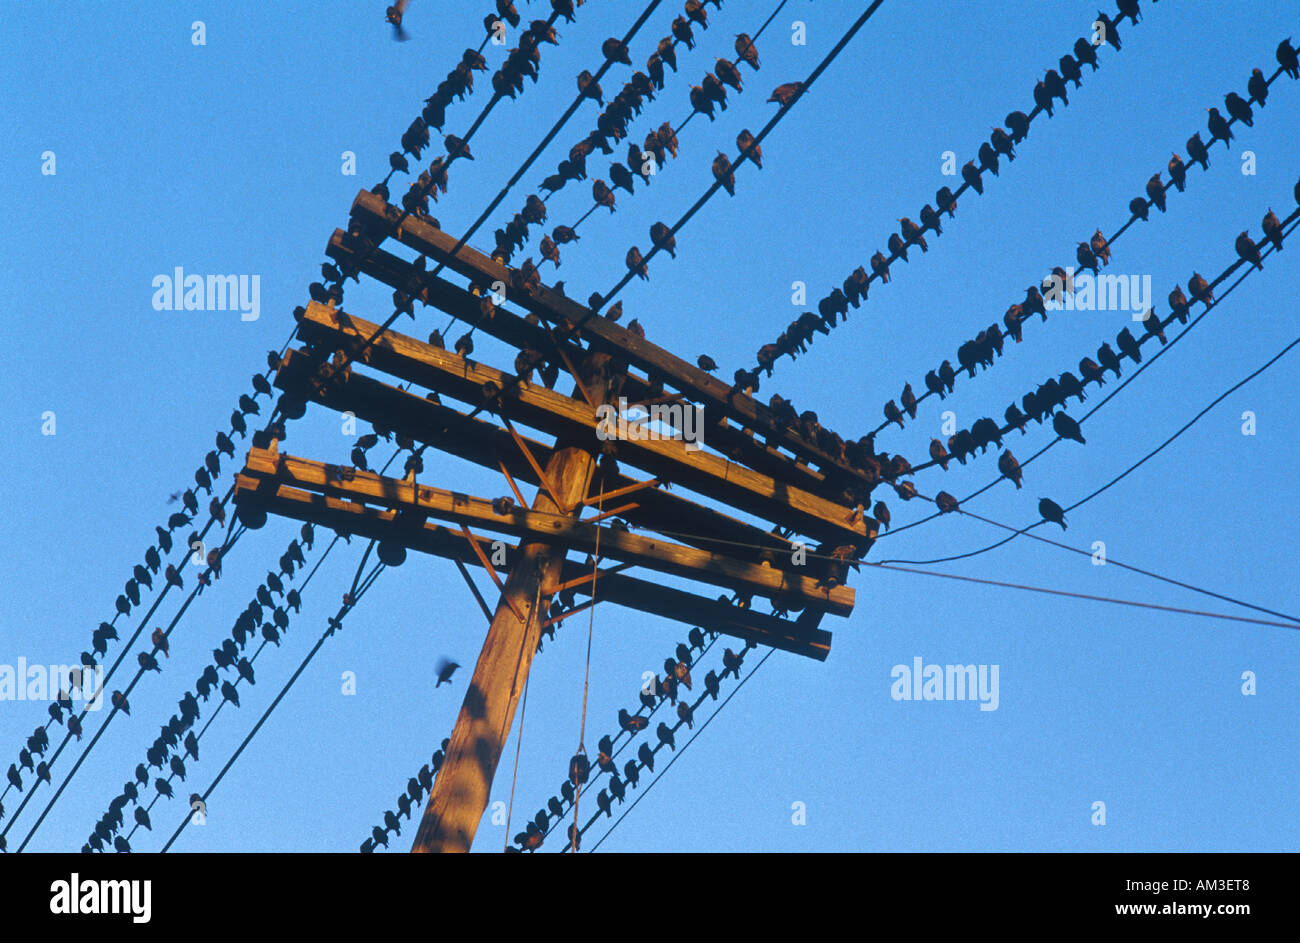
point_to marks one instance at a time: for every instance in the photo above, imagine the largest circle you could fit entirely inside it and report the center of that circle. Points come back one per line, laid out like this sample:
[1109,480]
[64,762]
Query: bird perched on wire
[1273,230]
[1248,251]
[1219,130]
[1153,326]
[893,413]
[602,194]
[663,238]
[1156,192]
[1239,109]
[971,174]
[946,502]
[1109,32]
[745,142]
[1288,58]
[937,453]
[1197,151]
[446,668]
[457,147]
[1177,173]
[635,263]
[1051,511]
[786,95]
[1067,428]
[912,234]
[746,51]
[1200,289]
[723,173]
[1009,467]
[631,723]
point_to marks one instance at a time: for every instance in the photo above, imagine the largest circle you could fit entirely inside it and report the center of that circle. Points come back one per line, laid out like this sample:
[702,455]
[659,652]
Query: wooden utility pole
[756,463]
[463,785]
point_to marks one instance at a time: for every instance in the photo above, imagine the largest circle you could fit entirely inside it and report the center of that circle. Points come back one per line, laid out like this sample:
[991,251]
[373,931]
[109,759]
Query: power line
[335,623]
[650,785]
[1209,306]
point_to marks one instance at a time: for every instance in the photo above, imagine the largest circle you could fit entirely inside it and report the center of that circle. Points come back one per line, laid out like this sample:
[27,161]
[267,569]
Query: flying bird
[394,15]
[446,668]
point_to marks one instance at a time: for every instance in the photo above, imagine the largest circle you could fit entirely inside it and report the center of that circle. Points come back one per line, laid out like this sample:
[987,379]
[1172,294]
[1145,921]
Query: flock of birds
[143,575]
[877,467]
[677,675]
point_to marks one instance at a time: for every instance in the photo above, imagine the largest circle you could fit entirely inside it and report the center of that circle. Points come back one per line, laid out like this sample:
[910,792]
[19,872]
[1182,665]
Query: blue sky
[226,158]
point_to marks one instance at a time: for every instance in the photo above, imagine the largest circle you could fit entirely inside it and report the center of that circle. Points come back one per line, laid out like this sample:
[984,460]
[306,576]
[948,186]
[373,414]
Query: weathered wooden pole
[463,785]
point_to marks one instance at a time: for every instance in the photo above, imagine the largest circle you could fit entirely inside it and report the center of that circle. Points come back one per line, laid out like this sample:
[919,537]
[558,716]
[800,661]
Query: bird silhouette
[635,263]
[746,50]
[1009,467]
[446,668]
[1051,511]
[787,94]
[1156,192]
[1288,58]
[631,723]
[228,693]
[1067,428]
[1177,173]
[1153,326]
[1239,109]
[394,15]
[970,173]
[1273,230]
[1200,289]
[946,502]
[663,238]
[1109,32]
[1248,251]
[1219,130]
[893,413]
[723,173]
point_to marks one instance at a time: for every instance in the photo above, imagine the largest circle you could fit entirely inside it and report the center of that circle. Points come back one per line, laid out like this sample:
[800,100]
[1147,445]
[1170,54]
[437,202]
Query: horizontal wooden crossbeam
[670,459]
[490,446]
[258,495]
[378,217]
[422,501]
[735,442]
